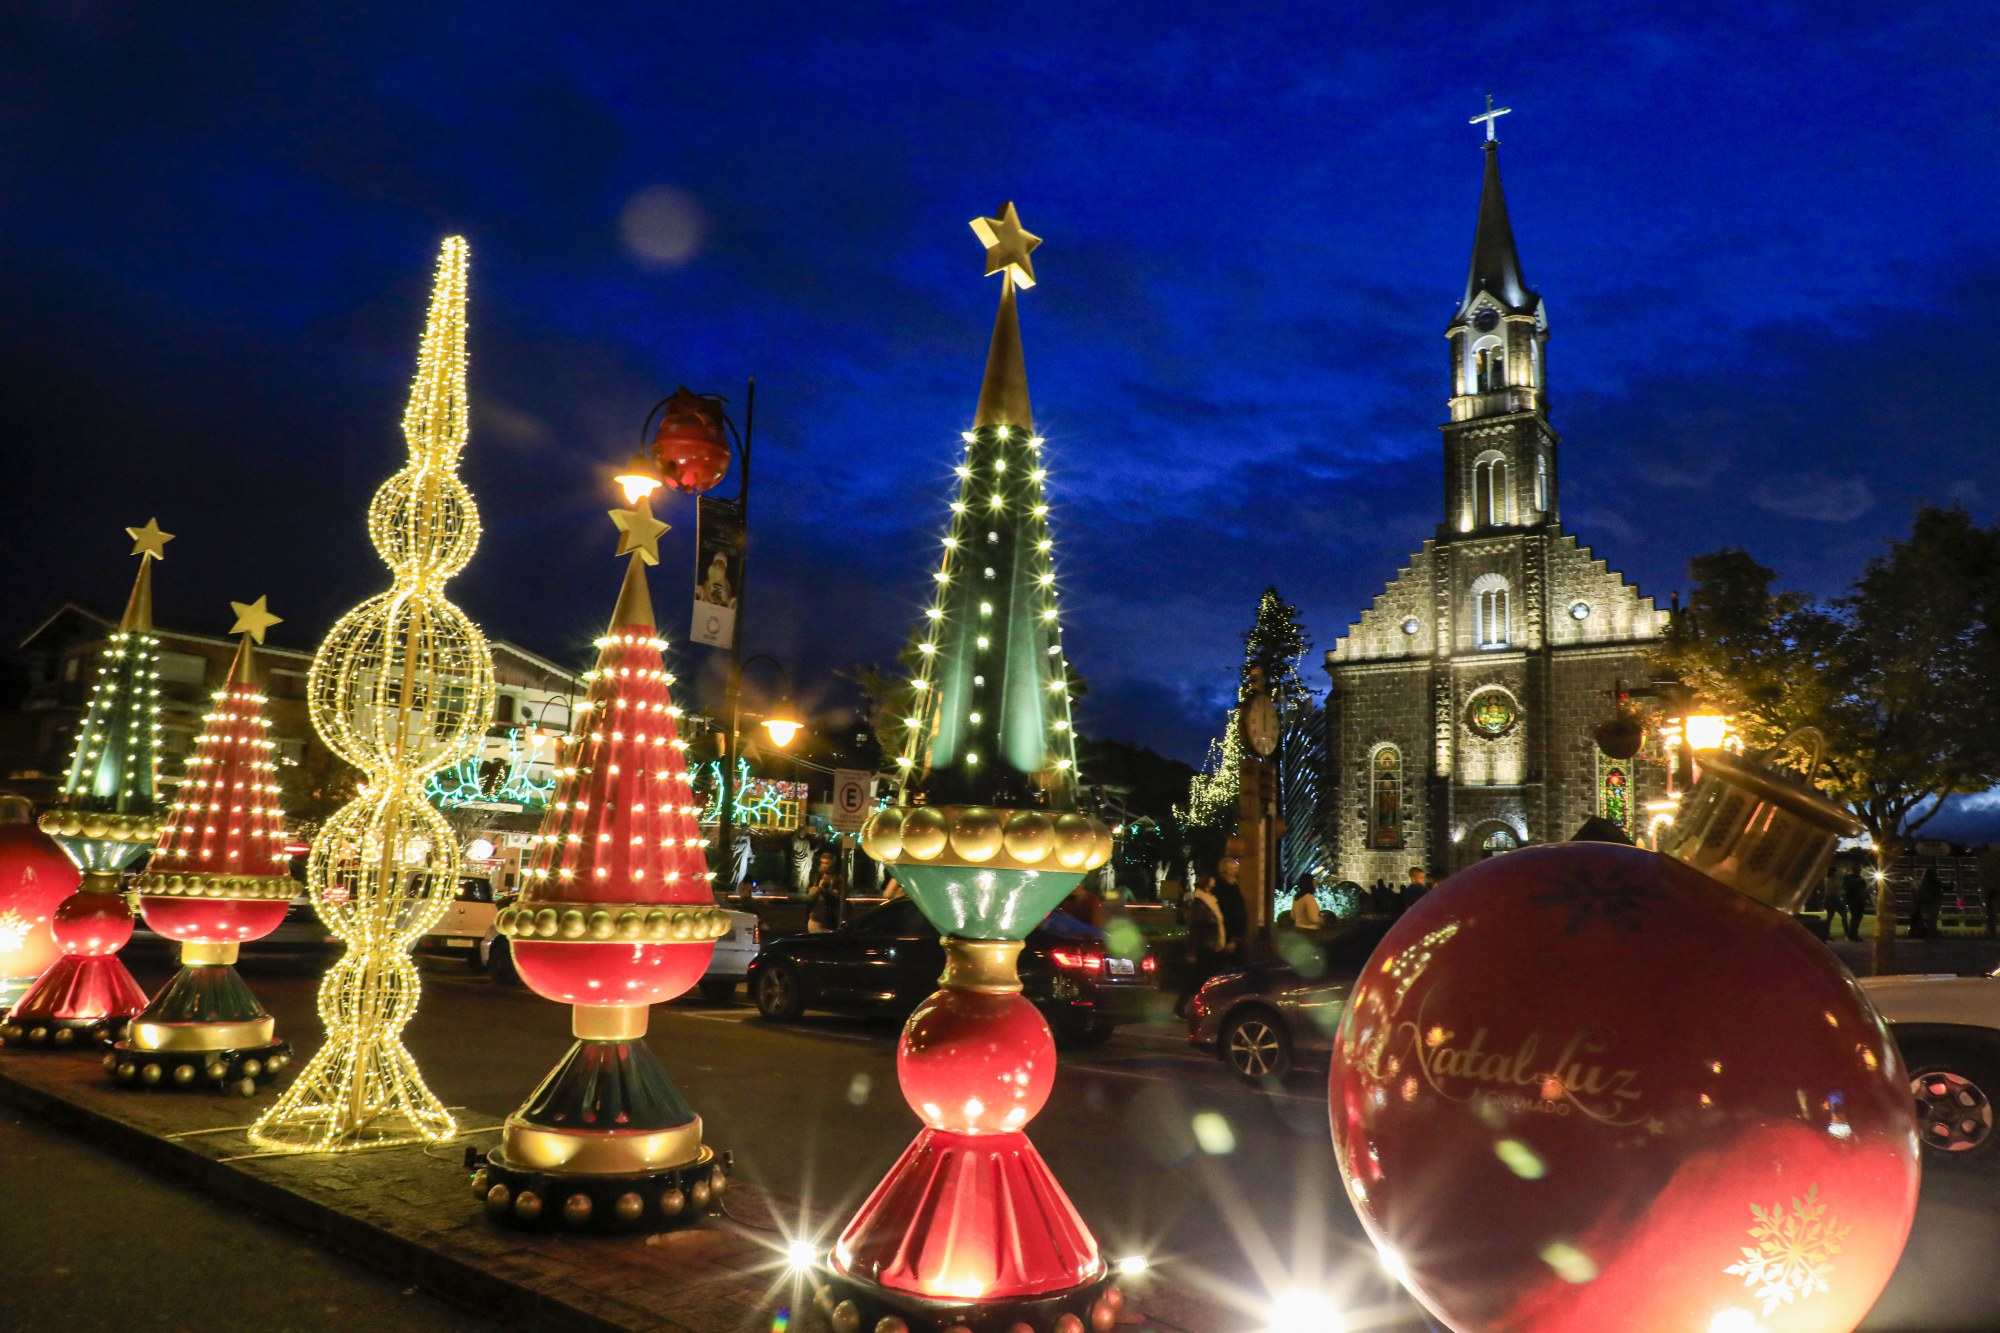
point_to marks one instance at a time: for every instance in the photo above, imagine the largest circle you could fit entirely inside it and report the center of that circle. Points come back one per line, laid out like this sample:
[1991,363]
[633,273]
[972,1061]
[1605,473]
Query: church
[1462,703]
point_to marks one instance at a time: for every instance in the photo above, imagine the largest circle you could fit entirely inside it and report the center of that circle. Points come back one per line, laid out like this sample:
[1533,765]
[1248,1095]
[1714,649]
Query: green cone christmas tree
[108,816]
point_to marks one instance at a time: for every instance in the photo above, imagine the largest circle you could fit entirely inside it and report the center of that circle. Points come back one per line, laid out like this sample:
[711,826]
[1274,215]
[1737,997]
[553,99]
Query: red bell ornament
[1587,1087]
[691,447]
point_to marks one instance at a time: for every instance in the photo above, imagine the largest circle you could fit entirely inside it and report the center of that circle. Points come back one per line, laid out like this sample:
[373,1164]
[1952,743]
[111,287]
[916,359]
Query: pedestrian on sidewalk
[1853,901]
[826,900]
[1924,911]
[1207,942]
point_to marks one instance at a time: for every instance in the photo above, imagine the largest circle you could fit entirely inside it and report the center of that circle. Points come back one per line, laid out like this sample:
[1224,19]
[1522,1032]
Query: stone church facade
[1462,703]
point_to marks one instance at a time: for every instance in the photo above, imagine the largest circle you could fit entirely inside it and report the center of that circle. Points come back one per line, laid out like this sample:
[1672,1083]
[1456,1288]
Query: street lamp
[638,479]
[690,452]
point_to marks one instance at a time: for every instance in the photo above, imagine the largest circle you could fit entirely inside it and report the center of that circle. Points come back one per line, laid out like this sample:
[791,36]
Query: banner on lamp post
[718,570]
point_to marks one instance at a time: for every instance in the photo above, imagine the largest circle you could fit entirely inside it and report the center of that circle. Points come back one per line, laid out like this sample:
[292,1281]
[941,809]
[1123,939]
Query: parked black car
[888,959]
[1263,1017]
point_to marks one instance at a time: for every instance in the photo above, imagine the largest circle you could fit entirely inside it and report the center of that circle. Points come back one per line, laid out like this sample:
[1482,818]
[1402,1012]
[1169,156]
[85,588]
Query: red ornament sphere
[34,878]
[974,1063]
[214,920]
[608,973]
[1586,1087]
[691,448]
[93,924]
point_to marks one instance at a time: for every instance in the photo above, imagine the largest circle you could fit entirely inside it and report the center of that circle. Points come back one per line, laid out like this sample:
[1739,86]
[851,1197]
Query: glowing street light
[1706,731]
[781,725]
[638,479]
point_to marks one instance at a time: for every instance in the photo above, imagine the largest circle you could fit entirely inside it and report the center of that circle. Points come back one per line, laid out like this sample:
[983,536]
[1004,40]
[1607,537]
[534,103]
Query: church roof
[1496,266]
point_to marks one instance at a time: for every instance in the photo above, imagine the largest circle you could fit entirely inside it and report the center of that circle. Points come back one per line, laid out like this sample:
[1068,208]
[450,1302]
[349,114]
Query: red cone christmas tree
[216,880]
[617,915]
[107,817]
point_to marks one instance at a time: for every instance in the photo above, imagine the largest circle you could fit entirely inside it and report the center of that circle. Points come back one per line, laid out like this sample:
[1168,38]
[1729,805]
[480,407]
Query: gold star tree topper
[1008,245]
[253,618]
[639,531]
[149,541]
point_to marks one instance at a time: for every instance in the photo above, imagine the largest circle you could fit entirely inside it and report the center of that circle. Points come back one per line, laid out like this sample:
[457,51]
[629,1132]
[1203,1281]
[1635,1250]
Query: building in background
[1462,702]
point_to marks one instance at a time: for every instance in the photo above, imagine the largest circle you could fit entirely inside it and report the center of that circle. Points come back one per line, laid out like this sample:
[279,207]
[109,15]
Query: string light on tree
[401,688]
[987,840]
[217,880]
[106,817]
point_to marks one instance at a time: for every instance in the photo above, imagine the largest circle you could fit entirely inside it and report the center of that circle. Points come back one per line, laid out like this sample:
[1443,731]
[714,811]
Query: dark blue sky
[1767,241]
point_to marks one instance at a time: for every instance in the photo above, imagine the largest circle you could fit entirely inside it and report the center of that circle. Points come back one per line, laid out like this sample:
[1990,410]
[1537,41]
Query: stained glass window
[1492,713]
[1385,827]
[1614,791]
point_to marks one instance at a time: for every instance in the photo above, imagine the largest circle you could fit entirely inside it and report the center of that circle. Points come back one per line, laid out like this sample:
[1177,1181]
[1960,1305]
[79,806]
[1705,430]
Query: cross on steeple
[1491,114]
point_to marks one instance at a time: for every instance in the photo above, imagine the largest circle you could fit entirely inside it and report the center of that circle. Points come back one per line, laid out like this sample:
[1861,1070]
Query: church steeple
[1496,265]
[1498,476]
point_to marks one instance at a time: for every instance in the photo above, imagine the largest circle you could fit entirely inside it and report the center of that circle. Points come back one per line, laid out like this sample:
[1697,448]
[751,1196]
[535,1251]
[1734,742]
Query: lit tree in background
[216,880]
[107,817]
[402,687]
[970,1228]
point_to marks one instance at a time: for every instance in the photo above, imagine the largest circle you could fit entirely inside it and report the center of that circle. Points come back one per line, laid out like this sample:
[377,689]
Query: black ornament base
[234,1071]
[841,1304]
[62,1034]
[646,1201]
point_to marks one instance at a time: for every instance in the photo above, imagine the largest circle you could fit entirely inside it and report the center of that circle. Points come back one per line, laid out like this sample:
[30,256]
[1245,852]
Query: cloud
[1816,496]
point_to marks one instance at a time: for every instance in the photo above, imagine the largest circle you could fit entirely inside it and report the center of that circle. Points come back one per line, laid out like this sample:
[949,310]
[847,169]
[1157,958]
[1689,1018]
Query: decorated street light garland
[987,840]
[617,914]
[106,818]
[216,881]
[402,687]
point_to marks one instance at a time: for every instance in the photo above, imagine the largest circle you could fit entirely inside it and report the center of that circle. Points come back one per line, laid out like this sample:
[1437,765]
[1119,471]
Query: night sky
[1767,243]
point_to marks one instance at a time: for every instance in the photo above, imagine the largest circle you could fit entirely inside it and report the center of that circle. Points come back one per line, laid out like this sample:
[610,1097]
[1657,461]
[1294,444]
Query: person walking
[1235,912]
[1207,942]
[826,900]
[1924,912]
[1853,901]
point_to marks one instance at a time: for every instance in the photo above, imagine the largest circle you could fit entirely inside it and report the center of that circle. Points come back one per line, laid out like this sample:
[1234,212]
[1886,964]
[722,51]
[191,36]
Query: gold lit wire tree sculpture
[402,687]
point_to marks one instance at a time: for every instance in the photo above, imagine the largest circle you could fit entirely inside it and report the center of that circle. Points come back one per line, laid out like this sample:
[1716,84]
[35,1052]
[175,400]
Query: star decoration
[253,618]
[1008,245]
[149,541]
[639,531]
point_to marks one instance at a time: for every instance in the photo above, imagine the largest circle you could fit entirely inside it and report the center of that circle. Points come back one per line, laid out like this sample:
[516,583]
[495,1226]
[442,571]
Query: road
[1253,1206]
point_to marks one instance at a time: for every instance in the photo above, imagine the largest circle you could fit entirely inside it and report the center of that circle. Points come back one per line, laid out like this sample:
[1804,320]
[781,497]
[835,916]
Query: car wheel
[1256,1046]
[474,960]
[1954,1089]
[500,963]
[717,988]
[778,993]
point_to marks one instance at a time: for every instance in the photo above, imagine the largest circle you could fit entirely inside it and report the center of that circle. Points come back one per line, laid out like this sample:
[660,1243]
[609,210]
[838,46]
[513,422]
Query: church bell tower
[1499,453]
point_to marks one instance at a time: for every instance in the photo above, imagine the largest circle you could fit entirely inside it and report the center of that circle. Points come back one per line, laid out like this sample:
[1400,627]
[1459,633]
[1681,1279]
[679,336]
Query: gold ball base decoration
[607,1202]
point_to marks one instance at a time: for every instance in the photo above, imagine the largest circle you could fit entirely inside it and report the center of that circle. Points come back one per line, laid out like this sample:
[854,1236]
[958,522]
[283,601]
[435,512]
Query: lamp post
[691,453]
[780,724]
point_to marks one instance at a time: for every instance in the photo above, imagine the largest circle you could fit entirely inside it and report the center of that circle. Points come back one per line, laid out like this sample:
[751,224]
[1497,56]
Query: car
[887,959]
[467,920]
[1948,1029]
[729,966]
[1261,1018]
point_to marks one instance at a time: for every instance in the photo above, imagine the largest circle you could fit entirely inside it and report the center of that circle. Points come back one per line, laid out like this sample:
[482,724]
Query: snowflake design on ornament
[1626,901]
[1793,1257]
[13,930]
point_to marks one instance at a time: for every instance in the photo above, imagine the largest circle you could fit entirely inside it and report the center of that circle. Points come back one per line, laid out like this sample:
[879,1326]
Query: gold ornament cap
[1762,830]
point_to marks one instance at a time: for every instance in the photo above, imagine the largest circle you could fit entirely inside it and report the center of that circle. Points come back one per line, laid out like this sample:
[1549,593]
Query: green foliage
[1278,643]
[1901,675]
[1211,802]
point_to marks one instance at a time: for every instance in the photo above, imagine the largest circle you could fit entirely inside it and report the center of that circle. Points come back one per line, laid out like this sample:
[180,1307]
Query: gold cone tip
[243,670]
[635,604]
[435,421]
[139,607]
[1003,392]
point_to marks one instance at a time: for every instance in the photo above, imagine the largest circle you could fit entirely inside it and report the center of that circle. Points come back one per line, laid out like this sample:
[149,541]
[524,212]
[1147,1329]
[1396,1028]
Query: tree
[1901,675]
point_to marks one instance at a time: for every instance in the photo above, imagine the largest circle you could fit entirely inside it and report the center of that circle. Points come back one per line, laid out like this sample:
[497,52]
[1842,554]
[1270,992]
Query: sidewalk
[408,1213]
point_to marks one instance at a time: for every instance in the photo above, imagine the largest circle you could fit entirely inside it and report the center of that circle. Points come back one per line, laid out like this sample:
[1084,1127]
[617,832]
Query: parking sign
[853,798]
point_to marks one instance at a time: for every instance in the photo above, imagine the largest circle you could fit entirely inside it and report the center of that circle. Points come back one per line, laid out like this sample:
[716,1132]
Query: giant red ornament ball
[34,878]
[1586,1087]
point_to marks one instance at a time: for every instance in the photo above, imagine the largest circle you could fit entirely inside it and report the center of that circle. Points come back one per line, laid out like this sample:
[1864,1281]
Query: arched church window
[1385,798]
[1489,367]
[1614,791]
[1490,611]
[1498,841]
[1492,496]
[1541,483]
